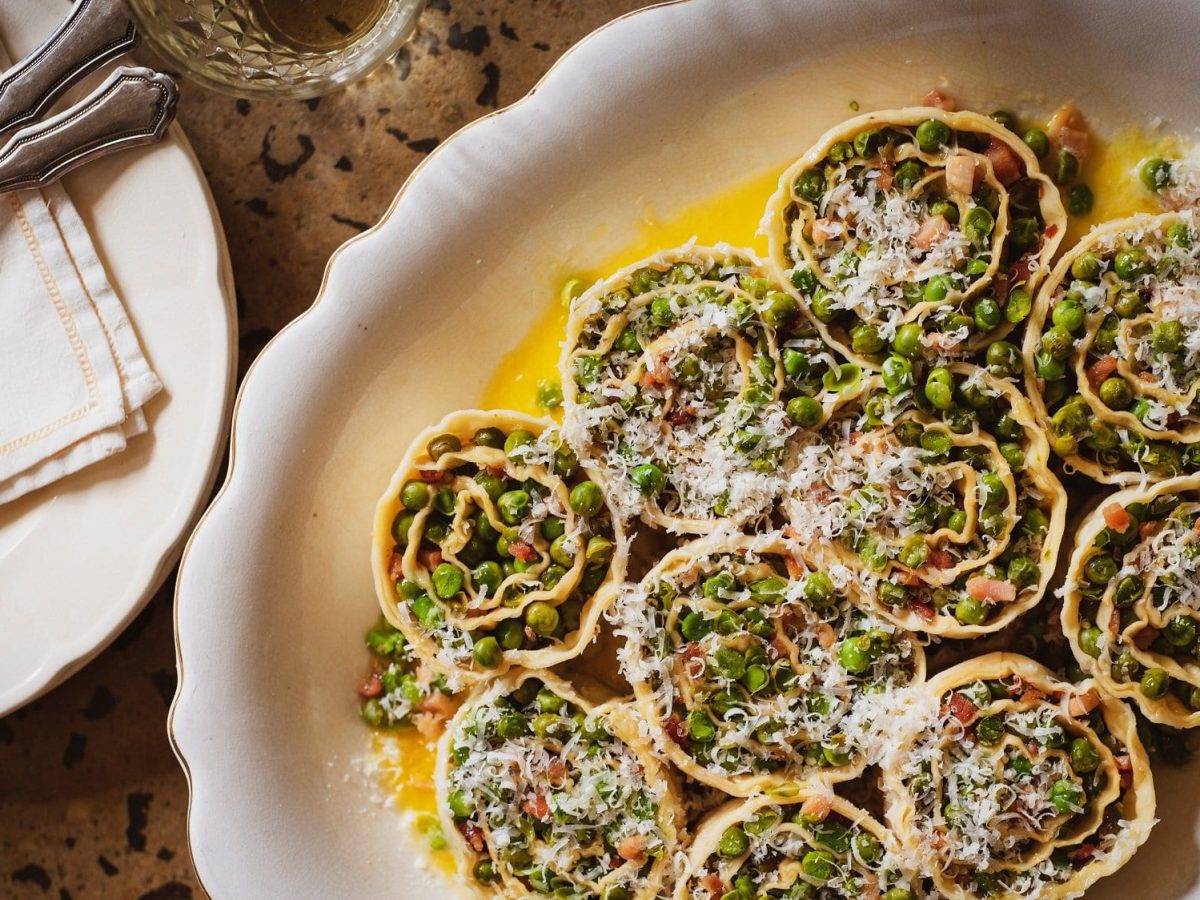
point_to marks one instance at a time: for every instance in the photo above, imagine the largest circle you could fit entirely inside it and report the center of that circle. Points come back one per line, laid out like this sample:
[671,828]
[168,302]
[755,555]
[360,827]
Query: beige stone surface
[92,802]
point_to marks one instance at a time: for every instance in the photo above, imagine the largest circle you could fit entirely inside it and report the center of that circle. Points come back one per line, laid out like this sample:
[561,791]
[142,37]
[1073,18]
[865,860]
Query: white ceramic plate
[80,558]
[664,107]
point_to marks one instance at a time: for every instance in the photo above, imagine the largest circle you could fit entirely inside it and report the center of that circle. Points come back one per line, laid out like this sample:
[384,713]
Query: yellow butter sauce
[405,762]
[1111,172]
[731,216]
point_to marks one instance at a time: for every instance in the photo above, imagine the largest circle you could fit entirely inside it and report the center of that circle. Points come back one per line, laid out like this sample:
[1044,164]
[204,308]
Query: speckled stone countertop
[92,801]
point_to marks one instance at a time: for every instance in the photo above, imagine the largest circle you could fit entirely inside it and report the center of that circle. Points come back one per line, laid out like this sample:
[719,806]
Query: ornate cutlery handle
[95,32]
[132,107]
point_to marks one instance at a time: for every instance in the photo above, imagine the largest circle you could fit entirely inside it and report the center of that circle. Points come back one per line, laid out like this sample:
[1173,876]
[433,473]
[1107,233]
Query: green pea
[795,363]
[914,552]
[414,495]
[733,842]
[897,374]
[1131,263]
[1023,234]
[510,634]
[970,611]
[1181,631]
[648,479]
[898,893]
[810,185]
[865,339]
[1035,139]
[818,589]
[443,444]
[1087,267]
[700,727]
[1020,304]
[978,225]
[1080,200]
[854,654]
[717,586]
[818,865]
[907,174]
[907,341]
[461,804]
[1100,569]
[781,308]
[976,266]
[988,314]
[1180,235]
[1155,173]
[824,305]
[447,580]
[615,892]
[1023,571]
[938,288]
[756,678]
[937,443]
[932,134]
[1058,342]
[939,389]
[514,506]
[542,618]
[1089,641]
[1115,393]
[1154,683]
[866,142]
[804,411]
[1167,336]
[728,663]
[694,626]
[945,209]
[1067,168]
[957,521]
[1048,367]
[586,498]
[373,713]
[487,576]
[1003,358]
[1068,314]
[1065,796]
[517,439]
[989,730]
[401,527]
[769,590]
[487,652]
[599,550]
[488,437]
[485,871]
[627,341]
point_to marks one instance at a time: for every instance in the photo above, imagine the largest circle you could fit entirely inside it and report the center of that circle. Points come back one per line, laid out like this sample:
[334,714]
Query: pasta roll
[1132,599]
[493,547]
[1112,352]
[1013,784]
[933,505]
[804,842]
[919,228]
[542,793]
[677,376]
[751,669]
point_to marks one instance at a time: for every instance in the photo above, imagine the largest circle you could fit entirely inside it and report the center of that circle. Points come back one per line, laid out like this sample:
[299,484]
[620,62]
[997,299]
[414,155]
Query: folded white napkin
[73,378]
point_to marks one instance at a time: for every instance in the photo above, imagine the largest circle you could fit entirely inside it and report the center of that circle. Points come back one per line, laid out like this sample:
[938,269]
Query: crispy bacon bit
[931,231]
[472,834]
[693,660]
[429,559]
[1005,162]
[1144,638]
[631,847]
[940,559]
[1033,695]
[991,590]
[1146,529]
[1051,229]
[871,888]
[884,178]
[682,416]
[1101,369]
[676,729]
[1068,131]
[537,807]
[960,174]
[826,636]
[657,375]
[372,685]
[712,881]
[395,567]
[1083,853]
[960,708]
[938,100]
[795,568]
[1116,518]
[430,476]
[437,705]
[1114,622]
[556,771]
[923,610]
[817,808]
[497,471]
[1078,705]
[523,551]
[790,533]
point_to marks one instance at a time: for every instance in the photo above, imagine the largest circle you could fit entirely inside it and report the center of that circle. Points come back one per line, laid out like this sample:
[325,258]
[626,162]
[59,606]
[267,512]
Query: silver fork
[131,108]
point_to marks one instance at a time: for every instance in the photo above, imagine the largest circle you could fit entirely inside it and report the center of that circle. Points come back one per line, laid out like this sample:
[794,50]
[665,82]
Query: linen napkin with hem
[73,378]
